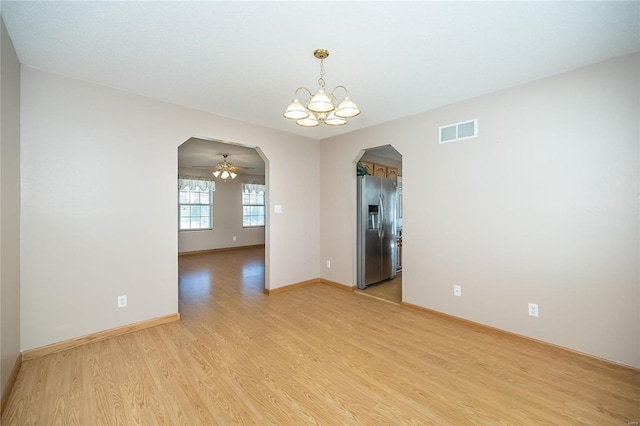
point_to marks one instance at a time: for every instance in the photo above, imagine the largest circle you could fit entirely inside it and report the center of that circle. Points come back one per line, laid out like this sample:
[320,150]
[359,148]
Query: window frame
[210,205]
[263,205]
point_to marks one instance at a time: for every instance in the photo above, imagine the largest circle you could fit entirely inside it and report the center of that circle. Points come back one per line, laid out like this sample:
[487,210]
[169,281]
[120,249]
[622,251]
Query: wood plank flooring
[314,355]
[387,290]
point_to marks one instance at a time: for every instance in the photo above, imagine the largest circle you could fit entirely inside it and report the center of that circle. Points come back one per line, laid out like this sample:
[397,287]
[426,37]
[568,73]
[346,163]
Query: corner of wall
[9,210]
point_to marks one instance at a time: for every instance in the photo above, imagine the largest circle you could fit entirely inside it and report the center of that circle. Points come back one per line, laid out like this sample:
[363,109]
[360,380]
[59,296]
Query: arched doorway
[222,201]
[379,223]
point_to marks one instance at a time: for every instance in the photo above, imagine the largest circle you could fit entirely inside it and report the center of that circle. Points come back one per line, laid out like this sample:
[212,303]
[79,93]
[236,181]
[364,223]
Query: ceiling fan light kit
[321,107]
[225,169]
[224,174]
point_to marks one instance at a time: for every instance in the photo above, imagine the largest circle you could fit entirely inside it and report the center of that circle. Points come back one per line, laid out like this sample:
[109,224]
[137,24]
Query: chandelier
[321,108]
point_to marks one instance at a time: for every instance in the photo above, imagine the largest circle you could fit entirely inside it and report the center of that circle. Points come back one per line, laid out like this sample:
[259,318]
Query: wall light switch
[277,208]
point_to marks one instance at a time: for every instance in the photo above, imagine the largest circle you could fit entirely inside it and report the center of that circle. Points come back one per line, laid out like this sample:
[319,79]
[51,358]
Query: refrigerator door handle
[381,225]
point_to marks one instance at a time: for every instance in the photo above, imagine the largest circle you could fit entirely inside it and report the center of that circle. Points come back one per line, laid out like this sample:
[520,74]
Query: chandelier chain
[321,79]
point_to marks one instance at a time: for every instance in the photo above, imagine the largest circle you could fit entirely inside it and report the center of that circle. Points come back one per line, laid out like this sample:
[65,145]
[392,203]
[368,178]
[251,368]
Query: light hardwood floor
[387,290]
[315,354]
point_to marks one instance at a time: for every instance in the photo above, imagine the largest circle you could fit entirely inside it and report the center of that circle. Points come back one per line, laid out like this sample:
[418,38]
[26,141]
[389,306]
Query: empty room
[319,212]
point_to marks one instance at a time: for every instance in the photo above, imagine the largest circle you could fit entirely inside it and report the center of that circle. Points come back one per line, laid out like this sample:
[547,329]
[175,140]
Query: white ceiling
[245,59]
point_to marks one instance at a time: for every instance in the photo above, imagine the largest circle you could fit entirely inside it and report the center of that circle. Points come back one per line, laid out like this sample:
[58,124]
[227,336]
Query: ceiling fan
[225,170]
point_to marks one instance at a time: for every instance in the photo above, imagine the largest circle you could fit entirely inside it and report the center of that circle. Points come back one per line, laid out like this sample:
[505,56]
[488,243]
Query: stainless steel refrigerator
[376,230]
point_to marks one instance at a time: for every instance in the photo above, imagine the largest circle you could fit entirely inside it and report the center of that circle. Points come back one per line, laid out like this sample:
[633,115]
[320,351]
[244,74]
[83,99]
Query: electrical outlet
[234,238]
[328,264]
[457,290]
[122,301]
[533,309]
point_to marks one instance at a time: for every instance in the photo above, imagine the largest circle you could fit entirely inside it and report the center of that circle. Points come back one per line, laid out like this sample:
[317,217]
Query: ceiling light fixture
[225,169]
[321,108]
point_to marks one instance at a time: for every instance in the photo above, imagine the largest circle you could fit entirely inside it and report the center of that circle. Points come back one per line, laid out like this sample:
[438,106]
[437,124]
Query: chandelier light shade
[320,102]
[309,121]
[347,108]
[296,111]
[334,120]
[321,107]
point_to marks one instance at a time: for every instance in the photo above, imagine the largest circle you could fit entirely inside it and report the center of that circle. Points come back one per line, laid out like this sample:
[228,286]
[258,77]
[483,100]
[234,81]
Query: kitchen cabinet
[392,173]
[379,170]
[368,166]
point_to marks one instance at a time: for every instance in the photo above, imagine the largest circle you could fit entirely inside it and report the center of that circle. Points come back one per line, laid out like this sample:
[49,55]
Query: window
[195,201]
[252,205]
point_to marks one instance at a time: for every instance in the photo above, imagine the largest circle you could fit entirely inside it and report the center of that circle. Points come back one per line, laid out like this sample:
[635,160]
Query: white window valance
[257,188]
[194,183]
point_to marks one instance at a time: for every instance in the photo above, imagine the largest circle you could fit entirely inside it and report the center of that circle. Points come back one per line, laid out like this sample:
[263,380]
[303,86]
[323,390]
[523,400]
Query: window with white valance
[253,205]
[195,199]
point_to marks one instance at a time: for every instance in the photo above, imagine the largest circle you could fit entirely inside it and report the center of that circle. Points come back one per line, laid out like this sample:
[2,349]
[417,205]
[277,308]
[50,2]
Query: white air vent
[459,131]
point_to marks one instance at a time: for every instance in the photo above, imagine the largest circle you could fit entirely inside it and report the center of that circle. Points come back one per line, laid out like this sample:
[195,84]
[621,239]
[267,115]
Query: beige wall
[9,207]
[227,218]
[99,204]
[542,207]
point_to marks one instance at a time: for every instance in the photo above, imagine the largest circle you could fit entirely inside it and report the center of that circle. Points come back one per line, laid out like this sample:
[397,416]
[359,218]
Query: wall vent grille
[458,131]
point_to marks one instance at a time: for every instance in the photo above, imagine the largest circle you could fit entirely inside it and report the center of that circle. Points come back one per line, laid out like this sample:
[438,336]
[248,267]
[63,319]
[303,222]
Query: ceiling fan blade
[223,165]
